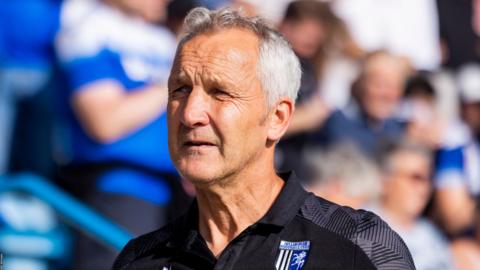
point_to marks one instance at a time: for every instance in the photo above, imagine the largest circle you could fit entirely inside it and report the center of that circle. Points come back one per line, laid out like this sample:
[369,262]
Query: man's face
[306,36]
[407,188]
[217,108]
[382,89]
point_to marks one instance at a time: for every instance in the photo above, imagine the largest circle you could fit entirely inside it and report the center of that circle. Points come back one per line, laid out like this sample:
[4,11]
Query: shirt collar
[282,211]
[288,202]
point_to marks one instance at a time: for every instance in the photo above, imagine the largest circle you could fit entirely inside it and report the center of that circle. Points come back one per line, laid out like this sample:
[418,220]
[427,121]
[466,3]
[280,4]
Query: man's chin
[198,176]
[204,177]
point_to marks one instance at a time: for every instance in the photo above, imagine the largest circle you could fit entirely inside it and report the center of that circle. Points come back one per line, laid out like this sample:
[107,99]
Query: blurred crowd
[387,118]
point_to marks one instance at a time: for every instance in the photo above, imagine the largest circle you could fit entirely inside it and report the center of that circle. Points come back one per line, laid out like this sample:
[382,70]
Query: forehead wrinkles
[217,62]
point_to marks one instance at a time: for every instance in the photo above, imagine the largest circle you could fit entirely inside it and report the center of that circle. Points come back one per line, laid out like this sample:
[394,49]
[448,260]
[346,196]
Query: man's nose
[195,111]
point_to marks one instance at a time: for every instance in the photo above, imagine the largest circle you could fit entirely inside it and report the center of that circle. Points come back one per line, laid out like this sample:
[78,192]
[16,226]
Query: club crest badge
[292,255]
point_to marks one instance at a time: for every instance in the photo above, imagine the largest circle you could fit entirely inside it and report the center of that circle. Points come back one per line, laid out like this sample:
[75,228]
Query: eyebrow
[214,81]
[178,77]
[211,80]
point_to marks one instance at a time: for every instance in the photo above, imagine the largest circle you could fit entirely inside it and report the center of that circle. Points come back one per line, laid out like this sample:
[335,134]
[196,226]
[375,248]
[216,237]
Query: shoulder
[379,242]
[456,134]
[84,27]
[144,245]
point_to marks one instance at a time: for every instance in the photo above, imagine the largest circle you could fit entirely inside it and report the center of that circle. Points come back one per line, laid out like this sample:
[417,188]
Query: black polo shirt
[300,231]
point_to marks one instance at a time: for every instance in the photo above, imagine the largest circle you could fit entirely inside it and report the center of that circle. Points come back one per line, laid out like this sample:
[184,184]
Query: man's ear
[279,119]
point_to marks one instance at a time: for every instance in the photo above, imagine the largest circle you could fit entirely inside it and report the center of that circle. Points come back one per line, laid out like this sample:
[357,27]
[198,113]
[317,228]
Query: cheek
[399,189]
[240,130]
[425,190]
[370,95]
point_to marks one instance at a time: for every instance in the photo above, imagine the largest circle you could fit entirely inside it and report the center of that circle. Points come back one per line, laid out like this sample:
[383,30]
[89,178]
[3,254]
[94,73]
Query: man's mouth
[198,143]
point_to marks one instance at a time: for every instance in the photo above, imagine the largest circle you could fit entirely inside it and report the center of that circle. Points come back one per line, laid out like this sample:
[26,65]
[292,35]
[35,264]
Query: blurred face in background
[305,35]
[381,87]
[407,186]
[150,10]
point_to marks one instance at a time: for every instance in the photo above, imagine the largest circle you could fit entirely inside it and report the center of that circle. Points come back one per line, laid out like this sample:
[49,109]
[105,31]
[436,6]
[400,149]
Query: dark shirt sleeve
[382,245]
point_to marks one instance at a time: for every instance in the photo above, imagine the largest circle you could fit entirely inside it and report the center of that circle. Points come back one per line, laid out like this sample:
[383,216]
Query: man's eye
[219,92]
[182,90]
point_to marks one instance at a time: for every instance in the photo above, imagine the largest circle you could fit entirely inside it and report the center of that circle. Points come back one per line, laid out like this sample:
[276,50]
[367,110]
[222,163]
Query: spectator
[419,111]
[116,59]
[323,43]
[407,189]
[457,178]
[320,40]
[370,119]
[344,175]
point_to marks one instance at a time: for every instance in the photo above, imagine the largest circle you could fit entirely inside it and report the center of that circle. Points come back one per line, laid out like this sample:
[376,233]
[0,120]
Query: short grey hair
[278,67]
[390,151]
[347,164]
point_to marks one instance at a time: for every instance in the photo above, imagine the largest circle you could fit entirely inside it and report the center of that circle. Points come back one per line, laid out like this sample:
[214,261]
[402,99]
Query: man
[231,97]
[406,191]
[315,34]
[370,119]
[344,175]
[457,170]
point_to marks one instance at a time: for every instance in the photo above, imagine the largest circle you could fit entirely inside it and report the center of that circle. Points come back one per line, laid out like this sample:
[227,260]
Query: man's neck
[227,210]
